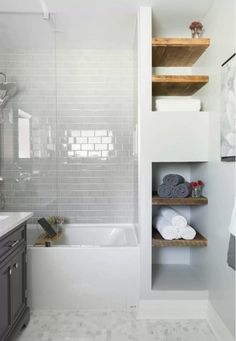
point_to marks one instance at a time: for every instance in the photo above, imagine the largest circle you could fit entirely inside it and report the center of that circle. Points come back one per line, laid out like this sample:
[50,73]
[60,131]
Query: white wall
[219,177]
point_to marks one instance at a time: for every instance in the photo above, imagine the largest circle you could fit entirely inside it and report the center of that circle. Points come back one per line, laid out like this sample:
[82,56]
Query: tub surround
[10,220]
[90,268]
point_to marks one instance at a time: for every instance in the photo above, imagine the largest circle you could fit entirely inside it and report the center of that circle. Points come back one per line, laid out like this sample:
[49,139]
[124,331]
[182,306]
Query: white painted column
[145,174]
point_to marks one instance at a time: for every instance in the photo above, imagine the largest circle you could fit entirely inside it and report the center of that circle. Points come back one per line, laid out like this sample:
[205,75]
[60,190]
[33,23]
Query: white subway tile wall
[82,163]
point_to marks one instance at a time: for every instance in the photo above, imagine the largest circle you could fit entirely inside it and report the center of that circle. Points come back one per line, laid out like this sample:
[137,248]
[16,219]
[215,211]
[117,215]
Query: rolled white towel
[166,230]
[174,217]
[188,233]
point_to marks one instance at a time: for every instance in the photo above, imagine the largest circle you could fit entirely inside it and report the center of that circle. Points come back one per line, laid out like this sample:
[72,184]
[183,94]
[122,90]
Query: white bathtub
[93,267]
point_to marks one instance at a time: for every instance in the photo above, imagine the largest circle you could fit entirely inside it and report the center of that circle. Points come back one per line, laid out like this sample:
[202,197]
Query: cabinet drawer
[10,243]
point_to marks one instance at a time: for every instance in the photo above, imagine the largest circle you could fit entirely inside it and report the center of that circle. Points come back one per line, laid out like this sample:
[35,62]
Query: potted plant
[196,28]
[197,187]
[56,222]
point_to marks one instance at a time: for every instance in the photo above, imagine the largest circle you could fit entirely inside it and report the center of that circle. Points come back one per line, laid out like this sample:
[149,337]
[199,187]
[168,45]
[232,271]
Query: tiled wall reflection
[81,118]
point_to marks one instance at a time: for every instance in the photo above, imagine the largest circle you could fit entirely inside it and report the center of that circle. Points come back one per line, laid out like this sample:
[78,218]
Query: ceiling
[100,23]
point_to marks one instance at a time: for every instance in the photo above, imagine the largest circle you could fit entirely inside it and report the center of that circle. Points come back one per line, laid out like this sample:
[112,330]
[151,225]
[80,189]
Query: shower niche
[175,263]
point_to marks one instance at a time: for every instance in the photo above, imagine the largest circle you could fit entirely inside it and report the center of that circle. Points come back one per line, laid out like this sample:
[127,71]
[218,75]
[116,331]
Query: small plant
[197,187]
[196,28]
[196,25]
[56,220]
[197,184]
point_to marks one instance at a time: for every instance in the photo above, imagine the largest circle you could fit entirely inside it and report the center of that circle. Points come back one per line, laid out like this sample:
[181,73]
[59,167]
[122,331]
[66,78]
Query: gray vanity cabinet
[14,313]
[5,318]
[18,284]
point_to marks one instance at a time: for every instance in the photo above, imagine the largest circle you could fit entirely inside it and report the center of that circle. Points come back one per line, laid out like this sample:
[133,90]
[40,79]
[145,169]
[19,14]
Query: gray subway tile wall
[82,111]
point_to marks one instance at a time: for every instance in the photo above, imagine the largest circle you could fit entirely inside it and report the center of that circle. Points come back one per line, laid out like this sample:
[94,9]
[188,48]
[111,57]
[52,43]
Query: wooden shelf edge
[179,201]
[157,41]
[180,112]
[159,241]
[180,79]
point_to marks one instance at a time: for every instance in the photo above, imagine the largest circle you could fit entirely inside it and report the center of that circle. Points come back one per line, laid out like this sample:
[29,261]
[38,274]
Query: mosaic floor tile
[110,326]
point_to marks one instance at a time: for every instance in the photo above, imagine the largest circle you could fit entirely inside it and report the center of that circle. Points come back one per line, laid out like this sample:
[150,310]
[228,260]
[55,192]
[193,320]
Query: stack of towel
[178,105]
[172,225]
[174,186]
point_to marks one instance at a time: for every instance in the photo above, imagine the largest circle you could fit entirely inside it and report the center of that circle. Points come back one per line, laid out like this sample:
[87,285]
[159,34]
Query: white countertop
[13,220]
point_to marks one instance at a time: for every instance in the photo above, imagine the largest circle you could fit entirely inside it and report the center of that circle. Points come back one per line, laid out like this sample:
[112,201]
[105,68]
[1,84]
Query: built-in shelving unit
[179,201]
[169,144]
[158,241]
[177,51]
[177,85]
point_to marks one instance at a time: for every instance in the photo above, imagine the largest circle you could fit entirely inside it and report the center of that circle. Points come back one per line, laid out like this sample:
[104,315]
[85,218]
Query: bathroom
[83,145]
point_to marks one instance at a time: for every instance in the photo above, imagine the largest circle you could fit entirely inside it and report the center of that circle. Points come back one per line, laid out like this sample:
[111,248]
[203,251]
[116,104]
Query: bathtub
[92,267]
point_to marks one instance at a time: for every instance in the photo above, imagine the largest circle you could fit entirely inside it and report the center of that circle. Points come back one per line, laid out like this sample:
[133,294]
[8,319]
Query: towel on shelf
[178,105]
[164,227]
[182,190]
[187,232]
[231,252]
[165,191]
[173,179]
[174,217]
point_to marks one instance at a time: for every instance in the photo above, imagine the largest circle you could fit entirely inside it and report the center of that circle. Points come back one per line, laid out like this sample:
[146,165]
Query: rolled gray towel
[182,190]
[173,179]
[165,191]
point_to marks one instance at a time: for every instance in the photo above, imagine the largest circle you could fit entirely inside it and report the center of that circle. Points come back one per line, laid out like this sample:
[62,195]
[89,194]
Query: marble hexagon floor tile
[110,326]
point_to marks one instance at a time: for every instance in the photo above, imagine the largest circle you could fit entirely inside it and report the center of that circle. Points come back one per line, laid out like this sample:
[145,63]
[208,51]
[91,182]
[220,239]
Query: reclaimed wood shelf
[177,51]
[177,85]
[179,201]
[159,241]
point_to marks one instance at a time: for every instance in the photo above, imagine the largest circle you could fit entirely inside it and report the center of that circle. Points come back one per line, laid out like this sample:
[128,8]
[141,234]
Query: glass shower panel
[97,158]
[28,116]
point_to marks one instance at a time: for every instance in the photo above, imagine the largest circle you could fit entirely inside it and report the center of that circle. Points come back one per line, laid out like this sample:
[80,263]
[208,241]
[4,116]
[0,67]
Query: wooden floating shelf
[198,241]
[177,85]
[177,51]
[179,201]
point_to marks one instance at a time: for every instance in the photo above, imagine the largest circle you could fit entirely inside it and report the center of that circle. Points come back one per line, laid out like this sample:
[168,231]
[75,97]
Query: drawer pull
[10,272]
[16,265]
[13,244]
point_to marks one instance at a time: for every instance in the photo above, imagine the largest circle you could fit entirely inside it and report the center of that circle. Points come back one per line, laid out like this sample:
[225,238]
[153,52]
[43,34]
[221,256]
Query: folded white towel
[178,105]
[166,230]
[187,232]
[174,217]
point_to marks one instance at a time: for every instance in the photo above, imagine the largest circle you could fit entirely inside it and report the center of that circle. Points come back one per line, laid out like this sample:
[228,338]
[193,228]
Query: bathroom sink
[3,217]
